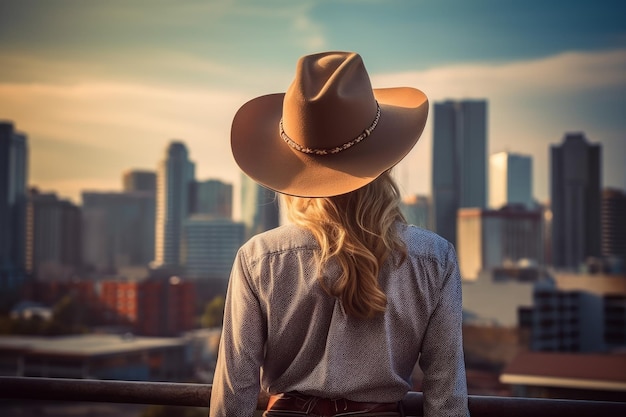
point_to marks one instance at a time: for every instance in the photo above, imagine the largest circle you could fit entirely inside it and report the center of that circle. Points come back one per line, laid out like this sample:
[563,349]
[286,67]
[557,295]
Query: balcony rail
[198,395]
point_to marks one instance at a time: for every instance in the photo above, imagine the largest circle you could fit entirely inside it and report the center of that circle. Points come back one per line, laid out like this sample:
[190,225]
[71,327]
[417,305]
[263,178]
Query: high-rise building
[576,200]
[53,237]
[210,246]
[614,228]
[139,180]
[492,238]
[459,162]
[416,210]
[118,229]
[13,195]
[579,312]
[174,177]
[212,197]
[510,180]
[259,207]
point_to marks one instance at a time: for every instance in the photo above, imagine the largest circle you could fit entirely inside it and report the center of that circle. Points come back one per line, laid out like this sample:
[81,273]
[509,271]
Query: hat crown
[330,101]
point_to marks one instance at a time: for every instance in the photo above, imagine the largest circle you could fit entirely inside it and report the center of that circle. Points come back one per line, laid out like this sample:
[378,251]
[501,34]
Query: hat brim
[264,156]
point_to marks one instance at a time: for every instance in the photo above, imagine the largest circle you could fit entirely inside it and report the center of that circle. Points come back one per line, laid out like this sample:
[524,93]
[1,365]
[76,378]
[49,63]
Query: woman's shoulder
[280,239]
[423,242]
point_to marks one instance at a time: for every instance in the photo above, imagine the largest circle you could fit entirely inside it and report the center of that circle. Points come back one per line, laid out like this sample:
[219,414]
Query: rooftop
[568,370]
[86,345]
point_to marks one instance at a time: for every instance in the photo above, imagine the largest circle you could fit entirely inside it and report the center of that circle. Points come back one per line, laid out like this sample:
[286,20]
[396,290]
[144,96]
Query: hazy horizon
[103,87]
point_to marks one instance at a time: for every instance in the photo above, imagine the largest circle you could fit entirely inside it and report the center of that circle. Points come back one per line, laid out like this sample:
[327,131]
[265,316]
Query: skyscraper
[416,210]
[174,177]
[212,197]
[139,180]
[13,195]
[493,238]
[210,246]
[576,200]
[53,237]
[118,229]
[510,180]
[459,161]
[614,228]
[259,207]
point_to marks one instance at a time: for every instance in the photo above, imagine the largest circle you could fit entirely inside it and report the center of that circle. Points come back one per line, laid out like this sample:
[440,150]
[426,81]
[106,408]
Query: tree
[213,312]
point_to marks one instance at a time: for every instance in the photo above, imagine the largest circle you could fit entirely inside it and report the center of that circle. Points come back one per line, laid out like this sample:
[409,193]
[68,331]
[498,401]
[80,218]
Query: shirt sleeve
[442,360]
[236,382]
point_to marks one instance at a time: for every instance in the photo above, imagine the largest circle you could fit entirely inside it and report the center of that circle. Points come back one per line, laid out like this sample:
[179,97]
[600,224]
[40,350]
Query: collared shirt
[282,332]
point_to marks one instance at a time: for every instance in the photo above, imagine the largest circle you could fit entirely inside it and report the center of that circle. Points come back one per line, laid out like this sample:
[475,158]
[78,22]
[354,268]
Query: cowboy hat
[330,133]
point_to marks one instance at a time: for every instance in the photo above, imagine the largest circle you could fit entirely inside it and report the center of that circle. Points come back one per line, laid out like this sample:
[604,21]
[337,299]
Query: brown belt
[317,406]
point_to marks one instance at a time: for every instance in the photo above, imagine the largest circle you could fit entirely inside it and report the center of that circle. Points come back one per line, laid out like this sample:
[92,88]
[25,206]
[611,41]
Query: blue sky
[103,86]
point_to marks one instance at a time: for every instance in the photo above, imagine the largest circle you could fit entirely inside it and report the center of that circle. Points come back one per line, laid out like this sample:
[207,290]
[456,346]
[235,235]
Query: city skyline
[102,88]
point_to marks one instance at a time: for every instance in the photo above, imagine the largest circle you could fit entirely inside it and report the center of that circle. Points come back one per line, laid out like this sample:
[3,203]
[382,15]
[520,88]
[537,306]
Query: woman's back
[312,346]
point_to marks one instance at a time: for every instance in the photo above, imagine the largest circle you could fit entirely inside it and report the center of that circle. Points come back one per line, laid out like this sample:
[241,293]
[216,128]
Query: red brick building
[151,307]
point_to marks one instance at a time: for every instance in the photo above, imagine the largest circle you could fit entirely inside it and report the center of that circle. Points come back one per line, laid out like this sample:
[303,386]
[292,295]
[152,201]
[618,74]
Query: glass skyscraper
[212,197]
[13,197]
[459,162]
[259,207]
[576,201]
[174,177]
[510,180]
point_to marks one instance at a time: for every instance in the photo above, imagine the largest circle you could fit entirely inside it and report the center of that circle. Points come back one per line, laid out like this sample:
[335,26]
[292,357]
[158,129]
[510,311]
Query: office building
[459,177]
[416,210]
[491,238]
[259,207]
[151,307]
[118,230]
[576,200]
[174,178]
[497,295]
[613,218]
[53,237]
[13,196]
[578,313]
[212,198]
[139,180]
[510,180]
[566,321]
[210,246]
[615,321]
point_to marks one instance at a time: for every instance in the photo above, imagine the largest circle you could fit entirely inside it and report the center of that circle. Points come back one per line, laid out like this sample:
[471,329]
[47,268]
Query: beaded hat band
[330,151]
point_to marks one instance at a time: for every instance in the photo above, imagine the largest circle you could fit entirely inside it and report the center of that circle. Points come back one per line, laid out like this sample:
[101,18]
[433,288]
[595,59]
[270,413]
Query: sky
[101,87]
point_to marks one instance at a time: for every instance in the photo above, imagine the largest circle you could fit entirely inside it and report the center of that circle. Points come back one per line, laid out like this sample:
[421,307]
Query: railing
[198,395]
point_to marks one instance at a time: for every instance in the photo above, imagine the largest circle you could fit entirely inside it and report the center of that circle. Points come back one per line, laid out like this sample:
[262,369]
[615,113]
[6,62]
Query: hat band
[329,151]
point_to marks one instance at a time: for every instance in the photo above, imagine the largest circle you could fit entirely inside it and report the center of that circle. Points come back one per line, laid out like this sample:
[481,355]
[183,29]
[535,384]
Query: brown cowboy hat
[330,133]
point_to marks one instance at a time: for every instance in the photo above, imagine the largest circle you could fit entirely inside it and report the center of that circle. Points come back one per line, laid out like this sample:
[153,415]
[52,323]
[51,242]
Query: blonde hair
[358,231]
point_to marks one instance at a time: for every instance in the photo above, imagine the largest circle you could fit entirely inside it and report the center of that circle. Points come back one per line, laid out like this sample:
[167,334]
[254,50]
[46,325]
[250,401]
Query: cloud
[309,34]
[531,105]
[566,72]
[131,124]
[104,126]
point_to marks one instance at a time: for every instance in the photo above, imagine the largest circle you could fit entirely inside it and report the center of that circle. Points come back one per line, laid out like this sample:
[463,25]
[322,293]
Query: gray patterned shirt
[283,333]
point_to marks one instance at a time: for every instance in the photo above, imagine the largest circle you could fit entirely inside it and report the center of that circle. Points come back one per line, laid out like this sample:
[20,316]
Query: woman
[330,313]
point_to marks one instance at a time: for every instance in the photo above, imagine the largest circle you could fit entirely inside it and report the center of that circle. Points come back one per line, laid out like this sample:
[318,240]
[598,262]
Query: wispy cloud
[567,72]
[136,120]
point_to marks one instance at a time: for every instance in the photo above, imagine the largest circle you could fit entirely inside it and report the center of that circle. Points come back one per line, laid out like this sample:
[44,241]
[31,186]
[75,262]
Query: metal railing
[198,395]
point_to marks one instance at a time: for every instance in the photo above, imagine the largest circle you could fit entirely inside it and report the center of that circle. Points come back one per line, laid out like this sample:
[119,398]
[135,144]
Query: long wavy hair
[358,231]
